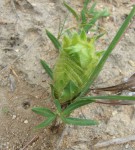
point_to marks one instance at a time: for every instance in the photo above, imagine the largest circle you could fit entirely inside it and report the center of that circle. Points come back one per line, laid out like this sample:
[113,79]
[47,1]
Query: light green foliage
[88,17]
[74,66]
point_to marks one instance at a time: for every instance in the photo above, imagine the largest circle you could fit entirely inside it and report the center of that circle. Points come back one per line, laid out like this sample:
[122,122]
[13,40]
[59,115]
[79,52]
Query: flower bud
[76,62]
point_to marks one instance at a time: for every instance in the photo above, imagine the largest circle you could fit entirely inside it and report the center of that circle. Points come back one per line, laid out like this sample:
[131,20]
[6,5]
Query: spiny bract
[76,61]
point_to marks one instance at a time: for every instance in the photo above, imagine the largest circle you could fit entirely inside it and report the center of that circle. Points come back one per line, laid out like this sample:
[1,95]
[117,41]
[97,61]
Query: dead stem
[32,141]
[115,141]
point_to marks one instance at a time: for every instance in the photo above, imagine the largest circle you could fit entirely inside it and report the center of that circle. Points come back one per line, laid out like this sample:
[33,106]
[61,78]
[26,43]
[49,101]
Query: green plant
[77,67]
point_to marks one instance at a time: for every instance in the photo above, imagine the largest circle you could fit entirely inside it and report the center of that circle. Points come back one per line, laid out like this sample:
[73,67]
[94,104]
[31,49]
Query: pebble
[132,63]
[25,121]
[14,117]
[127,146]
[114,113]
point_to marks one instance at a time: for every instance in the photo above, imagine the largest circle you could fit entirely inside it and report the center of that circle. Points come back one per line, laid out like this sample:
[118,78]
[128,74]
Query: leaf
[46,122]
[91,11]
[83,35]
[108,51]
[43,111]
[52,91]
[91,22]
[80,122]
[83,17]
[57,104]
[86,2]
[69,90]
[76,105]
[54,40]
[72,11]
[111,97]
[95,16]
[61,27]
[100,35]
[105,13]
[47,68]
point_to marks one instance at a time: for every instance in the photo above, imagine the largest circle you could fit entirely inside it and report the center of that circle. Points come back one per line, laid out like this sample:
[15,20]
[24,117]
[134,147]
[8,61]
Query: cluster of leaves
[86,19]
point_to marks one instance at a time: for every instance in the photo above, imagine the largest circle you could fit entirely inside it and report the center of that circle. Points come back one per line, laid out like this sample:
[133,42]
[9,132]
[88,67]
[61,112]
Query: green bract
[75,64]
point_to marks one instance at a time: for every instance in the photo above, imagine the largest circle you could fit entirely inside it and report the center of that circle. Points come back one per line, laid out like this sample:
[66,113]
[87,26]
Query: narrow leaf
[91,22]
[83,17]
[57,104]
[47,68]
[109,50]
[54,40]
[72,11]
[76,105]
[69,90]
[52,91]
[61,27]
[92,8]
[43,111]
[80,122]
[112,97]
[46,123]
[83,35]
[86,2]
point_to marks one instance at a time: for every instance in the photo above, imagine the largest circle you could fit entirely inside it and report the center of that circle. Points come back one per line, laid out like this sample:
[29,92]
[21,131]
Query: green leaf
[54,40]
[52,91]
[108,51]
[47,68]
[112,97]
[72,11]
[76,105]
[92,8]
[95,16]
[43,111]
[83,35]
[86,2]
[69,90]
[83,17]
[105,13]
[80,122]
[91,22]
[61,27]
[100,35]
[57,104]
[46,123]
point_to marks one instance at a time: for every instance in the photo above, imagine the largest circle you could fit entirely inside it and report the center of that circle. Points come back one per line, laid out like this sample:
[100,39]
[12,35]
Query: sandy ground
[24,84]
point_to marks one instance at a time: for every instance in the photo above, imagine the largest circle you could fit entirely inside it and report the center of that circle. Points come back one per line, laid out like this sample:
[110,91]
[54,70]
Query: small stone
[132,63]
[127,146]
[14,117]
[114,113]
[25,121]
[17,50]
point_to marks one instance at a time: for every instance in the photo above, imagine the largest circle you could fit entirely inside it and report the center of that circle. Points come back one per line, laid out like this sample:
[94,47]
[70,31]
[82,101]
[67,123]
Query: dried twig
[14,73]
[32,141]
[115,141]
[128,85]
